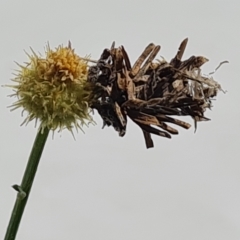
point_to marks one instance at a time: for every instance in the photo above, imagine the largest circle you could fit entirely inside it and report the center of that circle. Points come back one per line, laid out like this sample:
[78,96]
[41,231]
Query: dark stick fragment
[136,67]
[148,139]
[126,59]
[153,130]
[147,63]
[176,61]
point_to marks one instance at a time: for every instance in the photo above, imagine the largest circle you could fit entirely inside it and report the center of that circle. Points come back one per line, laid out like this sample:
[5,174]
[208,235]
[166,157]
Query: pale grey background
[105,187]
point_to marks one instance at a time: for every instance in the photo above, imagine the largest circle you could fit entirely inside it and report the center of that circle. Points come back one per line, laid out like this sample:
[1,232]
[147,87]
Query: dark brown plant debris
[151,93]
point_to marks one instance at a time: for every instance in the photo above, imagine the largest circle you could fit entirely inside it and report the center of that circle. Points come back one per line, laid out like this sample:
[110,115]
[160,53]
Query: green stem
[27,181]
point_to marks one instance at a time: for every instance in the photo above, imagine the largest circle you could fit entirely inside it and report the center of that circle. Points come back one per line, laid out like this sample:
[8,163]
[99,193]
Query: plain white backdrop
[104,187]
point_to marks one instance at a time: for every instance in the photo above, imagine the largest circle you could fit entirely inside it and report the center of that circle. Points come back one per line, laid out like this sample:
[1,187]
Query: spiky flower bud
[52,89]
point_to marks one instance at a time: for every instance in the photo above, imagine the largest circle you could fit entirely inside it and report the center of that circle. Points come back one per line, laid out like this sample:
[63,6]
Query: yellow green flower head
[53,89]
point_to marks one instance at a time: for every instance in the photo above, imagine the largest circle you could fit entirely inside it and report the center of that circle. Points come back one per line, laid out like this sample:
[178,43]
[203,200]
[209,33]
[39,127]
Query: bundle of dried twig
[150,92]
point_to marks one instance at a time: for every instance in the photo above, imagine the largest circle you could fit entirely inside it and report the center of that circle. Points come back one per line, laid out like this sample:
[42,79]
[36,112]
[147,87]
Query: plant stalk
[27,181]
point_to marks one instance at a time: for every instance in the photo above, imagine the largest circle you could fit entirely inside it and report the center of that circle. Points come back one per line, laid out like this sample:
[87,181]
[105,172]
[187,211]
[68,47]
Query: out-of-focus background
[101,186]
